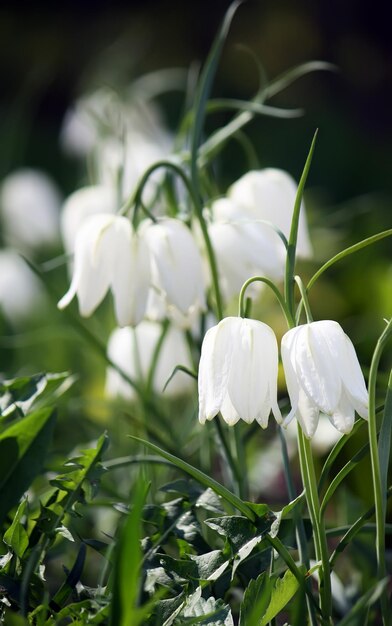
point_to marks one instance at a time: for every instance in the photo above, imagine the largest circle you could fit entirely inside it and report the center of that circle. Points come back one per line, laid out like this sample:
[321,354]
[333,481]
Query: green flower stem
[299,524]
[271,285]
[304,299]
[234,468]
[376,473]
[310,483]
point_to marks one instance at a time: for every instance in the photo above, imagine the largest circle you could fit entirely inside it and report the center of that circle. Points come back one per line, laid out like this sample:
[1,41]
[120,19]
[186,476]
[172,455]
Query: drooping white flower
[323,375]
[81,204]
[269,194]
[133,351]
[176,268]
[30,210]
[243,247]
[238,372]
[109,254]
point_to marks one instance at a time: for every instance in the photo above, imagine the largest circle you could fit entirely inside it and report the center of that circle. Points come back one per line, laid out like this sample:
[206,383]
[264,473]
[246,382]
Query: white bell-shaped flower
[323,375]
[238,372]
[133,349]
[176,268]
[81,204]
[30,210]
[109,254]
[269,194]
[243,247]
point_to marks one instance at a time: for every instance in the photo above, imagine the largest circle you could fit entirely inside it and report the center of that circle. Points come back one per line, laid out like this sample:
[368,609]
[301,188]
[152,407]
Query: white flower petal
[214,368]
[316,370]
[307,414]
[178,268]
[131,280]
[228,412]
[344,416]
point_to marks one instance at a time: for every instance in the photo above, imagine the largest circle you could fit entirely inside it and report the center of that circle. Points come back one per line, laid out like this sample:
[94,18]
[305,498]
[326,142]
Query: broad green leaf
[282,592]
[211,565]
[256,600]
[285,513]
[16,536]
[202,478]
[203,611]
[23,448]
[23,393]
[239,530]
[384,443]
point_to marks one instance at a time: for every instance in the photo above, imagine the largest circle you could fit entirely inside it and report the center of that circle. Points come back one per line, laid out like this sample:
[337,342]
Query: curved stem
[376,473]
[271,285]
[304,299]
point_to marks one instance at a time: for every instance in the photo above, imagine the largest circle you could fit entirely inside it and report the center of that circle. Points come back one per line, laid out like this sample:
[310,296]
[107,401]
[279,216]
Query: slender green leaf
[205,85]
[202,478]
[292,244]
[223,104]
[346,252]
[128,559]
[288,78]
[23,448]
[179,368]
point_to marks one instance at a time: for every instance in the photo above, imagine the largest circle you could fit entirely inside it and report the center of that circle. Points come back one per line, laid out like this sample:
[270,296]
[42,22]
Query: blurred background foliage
[53,53]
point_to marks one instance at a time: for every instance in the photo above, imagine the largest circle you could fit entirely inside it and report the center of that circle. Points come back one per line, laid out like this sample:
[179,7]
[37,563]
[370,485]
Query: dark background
[50,53]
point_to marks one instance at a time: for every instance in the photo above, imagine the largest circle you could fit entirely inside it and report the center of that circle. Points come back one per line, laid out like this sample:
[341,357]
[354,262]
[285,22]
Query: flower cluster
[239,367]
[159,268]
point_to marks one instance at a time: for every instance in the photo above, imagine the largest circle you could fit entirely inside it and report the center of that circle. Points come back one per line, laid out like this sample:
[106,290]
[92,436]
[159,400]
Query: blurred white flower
[20,290]
[30,210]
[109,254]
[323,375]
[124,136]
[243,247]
[133,351]
[176,269]
[269,194]
[81,204]
[238,372]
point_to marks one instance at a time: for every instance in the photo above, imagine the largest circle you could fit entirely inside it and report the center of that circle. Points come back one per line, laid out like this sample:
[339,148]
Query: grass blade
[202,478]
